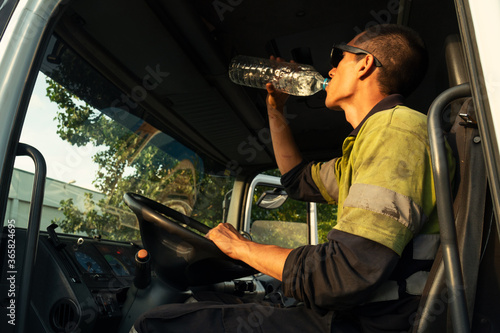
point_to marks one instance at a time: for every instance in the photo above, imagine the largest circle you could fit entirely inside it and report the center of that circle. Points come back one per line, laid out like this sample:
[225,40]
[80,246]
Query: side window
[285,226]
[291,224]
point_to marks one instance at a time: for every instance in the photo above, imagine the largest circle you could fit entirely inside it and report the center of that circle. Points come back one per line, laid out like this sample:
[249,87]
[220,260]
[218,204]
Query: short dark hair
[402,53]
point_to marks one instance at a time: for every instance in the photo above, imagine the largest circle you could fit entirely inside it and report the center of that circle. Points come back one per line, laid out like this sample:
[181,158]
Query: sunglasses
[338,53]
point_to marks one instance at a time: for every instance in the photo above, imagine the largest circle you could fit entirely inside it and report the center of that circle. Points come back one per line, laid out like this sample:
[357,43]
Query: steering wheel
[180,256]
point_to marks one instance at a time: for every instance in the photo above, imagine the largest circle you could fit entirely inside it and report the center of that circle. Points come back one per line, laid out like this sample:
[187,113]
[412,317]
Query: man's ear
[366,66]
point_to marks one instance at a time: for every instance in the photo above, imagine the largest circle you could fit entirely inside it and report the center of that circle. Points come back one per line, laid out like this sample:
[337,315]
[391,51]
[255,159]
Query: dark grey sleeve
[338,274]
[299,184]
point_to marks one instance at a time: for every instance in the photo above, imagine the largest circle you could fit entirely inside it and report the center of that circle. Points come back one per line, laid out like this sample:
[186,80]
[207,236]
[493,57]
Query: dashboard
[100,259]
[88,284]
[102,266]
[98,272]
[77,281]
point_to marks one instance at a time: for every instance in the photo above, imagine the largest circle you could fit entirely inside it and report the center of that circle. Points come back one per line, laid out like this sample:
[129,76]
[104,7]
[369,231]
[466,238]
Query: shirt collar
[387,103]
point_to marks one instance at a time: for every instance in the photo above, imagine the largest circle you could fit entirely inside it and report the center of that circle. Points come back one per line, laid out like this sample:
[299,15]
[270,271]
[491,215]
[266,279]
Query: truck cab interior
[123,132]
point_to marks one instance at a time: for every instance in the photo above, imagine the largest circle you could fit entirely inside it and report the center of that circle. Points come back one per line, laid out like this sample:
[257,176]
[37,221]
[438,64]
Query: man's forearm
[267,259]
[285,149]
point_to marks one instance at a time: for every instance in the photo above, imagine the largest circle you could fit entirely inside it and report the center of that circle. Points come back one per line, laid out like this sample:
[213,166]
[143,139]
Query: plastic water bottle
[291,78]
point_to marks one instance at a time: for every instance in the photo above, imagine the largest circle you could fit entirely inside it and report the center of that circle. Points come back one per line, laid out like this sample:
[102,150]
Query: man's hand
[227,239]
[276,100]
[268,259]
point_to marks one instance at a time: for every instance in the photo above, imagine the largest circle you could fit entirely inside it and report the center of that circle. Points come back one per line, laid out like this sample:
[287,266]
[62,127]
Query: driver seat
[474,222]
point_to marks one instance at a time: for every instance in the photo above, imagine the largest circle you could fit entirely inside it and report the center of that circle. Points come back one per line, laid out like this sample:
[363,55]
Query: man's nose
[332,72]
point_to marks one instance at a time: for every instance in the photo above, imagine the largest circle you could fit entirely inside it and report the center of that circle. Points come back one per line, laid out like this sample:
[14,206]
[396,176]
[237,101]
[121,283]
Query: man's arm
[337,274]
[267,259]
[285,150]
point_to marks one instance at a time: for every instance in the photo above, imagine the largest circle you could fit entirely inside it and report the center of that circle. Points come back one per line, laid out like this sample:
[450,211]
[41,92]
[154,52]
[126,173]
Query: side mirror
[272,199]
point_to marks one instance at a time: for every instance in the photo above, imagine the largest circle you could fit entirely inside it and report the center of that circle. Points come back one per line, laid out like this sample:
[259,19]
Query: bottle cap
[325,83]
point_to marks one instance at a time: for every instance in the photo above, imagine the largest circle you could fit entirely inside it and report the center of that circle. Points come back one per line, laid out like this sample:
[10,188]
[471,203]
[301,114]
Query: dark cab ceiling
[185,47]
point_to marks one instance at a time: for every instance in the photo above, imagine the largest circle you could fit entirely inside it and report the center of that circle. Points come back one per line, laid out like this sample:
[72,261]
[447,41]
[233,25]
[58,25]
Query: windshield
[99,144]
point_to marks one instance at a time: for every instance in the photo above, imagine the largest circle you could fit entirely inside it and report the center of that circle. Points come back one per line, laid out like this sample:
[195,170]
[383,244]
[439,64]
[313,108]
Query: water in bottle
[292,78]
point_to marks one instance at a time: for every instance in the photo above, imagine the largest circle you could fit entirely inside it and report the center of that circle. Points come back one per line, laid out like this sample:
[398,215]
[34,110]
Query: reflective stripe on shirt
[384,201]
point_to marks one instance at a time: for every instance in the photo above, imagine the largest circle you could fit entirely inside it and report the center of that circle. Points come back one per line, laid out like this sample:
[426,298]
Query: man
[370,273]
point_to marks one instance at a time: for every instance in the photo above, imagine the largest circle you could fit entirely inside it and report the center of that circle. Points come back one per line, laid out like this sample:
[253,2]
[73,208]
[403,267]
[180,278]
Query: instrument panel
[102,263]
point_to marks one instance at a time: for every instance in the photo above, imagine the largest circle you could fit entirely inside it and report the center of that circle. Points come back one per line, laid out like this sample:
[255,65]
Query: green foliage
[78,124]
[327,218]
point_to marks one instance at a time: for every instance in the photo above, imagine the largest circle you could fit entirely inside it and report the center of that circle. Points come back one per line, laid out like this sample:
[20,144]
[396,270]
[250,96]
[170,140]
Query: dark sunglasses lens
[336,56]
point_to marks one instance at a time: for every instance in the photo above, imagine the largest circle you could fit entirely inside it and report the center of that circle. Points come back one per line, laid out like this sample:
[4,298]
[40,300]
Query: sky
[65,162]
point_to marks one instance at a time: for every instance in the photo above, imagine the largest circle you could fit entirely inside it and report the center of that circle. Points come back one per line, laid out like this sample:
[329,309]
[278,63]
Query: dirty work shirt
[376,261]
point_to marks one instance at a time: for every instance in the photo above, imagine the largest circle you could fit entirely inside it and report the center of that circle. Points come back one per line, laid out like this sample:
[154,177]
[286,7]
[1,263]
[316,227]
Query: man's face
[343,81]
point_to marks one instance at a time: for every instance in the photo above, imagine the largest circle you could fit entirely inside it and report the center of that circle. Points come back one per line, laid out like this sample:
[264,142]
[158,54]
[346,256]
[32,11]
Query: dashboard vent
[65,316]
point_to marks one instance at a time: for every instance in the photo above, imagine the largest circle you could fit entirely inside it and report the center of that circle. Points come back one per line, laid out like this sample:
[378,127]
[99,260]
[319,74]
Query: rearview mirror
[272,199]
